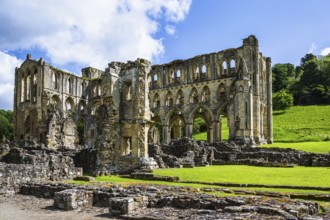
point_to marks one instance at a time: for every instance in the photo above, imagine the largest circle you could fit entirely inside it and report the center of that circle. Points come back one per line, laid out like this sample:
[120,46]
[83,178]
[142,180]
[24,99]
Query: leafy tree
[6,128]
[7,114]
[306,58]
[283,75]
[312,81]
[282,100]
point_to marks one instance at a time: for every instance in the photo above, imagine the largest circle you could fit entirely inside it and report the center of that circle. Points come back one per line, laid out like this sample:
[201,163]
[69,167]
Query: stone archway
[202,111]
[174,119]
[155,131]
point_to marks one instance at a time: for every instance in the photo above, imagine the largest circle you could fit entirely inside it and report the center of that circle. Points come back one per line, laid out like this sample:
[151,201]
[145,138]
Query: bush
[282,100]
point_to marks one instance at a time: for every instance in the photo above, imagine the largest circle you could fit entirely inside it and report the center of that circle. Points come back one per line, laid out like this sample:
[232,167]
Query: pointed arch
[222,96]
[69,85]
[176,123]
[205,114]
[206,94]
[203,111]
[169,99]
[224,68]
[23,89]
[232,66]
[156,101]
[178,74]
[204,69]
[82,107]
[179,100]
[28,87]
[193,97]
[69,104]
[95,107]
[155,131]
[56,101]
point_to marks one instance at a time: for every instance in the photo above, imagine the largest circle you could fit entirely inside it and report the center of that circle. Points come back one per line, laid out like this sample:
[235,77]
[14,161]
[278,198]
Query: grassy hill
[302,123]
[298,124]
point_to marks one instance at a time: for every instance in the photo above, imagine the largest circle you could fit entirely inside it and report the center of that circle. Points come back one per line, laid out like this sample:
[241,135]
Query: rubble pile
[189,153]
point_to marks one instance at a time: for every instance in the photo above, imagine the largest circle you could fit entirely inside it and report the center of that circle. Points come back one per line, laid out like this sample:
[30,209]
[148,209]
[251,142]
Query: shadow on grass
[278,113]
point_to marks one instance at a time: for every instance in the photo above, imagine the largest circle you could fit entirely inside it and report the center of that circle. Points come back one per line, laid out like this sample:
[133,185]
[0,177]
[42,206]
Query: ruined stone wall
[26,163]
[232,82]
[111,110]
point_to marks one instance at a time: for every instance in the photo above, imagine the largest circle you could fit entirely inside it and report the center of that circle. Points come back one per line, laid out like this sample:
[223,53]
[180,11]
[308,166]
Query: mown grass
[225,132]
[128,181]
[322,147]
[297,176]
[302,123]
[300,127]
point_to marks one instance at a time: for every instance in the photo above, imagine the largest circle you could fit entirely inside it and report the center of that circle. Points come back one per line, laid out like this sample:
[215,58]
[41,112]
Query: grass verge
[321,147]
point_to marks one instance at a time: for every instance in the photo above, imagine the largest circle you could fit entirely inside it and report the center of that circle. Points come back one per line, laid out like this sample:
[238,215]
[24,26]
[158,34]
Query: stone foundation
[187,153]
[71,199]
[145,201]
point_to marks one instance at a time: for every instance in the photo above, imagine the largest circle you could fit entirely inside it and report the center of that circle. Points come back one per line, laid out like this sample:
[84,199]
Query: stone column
[269,101]
[165,134]
[216,136]
[210,135]
[220,129]
[256,101]
[189,130]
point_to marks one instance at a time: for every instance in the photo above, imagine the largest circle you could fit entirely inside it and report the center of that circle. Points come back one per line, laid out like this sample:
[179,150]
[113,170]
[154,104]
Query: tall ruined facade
[109,110]
[236,83]
[105,110]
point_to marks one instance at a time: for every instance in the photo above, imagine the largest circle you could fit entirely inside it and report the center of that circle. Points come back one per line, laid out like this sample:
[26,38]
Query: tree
[283,75]
[306,58]
[6,129]
[282,100]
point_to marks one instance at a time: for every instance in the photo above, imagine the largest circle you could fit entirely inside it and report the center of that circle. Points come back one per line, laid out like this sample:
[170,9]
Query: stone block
[121,205]
[71,199]
[141,202]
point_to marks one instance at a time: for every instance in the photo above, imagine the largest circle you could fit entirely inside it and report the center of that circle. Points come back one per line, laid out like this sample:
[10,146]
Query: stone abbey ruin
[133,117]
[116,111]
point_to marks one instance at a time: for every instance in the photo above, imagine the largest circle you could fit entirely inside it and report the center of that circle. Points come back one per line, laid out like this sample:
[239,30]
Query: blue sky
[78,33]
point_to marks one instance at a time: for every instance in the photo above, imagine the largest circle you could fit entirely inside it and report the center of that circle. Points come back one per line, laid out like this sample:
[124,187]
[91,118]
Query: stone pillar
[210,135]
[165,134]
[256,102]
[269,101]
[216,136]
[189,130]
[220,129]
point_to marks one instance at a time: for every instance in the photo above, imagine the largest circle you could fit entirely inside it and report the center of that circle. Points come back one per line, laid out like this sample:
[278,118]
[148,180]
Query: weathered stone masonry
[109,110]
[234,82]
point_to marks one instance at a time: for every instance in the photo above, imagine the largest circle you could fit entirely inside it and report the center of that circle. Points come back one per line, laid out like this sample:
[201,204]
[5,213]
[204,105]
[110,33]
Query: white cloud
[313,47]
[89,32]
[325,51]
[7,76]
[82,32]
[170,29]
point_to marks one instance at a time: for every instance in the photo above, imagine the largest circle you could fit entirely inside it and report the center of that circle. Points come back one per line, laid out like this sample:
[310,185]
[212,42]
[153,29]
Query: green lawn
[315,147]
[300,127]
[302,123]
[297,176]
[225,132]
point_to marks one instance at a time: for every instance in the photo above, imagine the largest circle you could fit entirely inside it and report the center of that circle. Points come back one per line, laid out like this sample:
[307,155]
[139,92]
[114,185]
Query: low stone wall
[71,199]
[151,176]
[132,200]
[13,175]
[31,164]
[188,153]
[230,154]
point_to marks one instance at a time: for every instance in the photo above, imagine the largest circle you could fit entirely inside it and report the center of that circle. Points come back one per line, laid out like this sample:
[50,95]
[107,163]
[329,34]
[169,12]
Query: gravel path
[21,207]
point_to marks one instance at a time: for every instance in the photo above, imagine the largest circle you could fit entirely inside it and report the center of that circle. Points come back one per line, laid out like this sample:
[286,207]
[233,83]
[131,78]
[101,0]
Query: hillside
[302,123]
[297,124]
